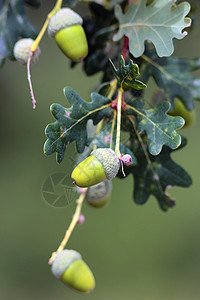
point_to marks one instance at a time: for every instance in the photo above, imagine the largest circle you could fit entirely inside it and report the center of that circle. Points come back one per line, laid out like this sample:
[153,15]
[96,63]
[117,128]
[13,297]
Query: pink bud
[126,160]
[81,219]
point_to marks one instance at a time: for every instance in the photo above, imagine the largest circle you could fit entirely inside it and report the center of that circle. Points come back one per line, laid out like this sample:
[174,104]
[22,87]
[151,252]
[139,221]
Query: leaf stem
[79,120]
[99,126]
[85,116]
[119,108]
[46,23]
[71,226]
[141,141]
[147,118]
[112,128]
[112,88]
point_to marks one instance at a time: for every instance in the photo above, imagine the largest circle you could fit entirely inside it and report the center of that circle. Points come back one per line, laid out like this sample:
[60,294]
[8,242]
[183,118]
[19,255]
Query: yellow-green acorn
[73,271]
[181,110]
[98,195]
[22,51]
[66,27]
[103,163]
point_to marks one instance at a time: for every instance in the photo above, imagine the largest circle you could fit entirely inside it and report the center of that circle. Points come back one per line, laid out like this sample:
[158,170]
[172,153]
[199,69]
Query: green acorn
[73,271]
[65,27]
[103,163]
[99,194]
[22,51]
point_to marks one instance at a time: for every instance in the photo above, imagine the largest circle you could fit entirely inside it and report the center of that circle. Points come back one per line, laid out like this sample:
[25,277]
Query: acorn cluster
[66,28]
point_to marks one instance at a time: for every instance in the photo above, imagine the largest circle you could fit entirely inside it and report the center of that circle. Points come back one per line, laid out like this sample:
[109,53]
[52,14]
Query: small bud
[126,159]
[22,51]
[81,219]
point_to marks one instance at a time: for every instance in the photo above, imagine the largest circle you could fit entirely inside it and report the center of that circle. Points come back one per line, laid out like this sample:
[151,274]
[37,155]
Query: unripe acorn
[103,163]
[22,51]
[66,27]
[98,195]
[73,271]
[180,110]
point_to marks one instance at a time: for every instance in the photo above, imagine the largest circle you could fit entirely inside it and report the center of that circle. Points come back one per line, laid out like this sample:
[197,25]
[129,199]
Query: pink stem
[125,49]
[29,80]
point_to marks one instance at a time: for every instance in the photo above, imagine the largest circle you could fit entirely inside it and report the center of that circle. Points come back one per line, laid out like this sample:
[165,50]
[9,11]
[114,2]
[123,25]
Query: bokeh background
[135,252]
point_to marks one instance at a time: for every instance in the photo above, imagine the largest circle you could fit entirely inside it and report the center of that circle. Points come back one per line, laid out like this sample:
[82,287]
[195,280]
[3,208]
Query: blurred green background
[135,252]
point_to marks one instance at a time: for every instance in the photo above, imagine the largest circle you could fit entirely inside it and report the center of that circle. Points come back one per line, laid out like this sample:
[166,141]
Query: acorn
[73,271]
[22,51]
[103,163]
[181,110]
[99,194]
[65,27]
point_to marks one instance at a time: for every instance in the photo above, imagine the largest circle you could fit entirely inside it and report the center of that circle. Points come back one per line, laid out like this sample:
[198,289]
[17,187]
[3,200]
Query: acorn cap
[65,17]
[22,51]
[109,160]
[99,191]
[63,260]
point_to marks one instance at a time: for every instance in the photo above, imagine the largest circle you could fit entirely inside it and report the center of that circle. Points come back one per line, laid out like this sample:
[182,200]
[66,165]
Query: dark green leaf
[157,22]
[173,76]
[96,62]
[70,2]
[161,128]
[126,75]
[14,24]
[71,122]
[155,178]
[34,3]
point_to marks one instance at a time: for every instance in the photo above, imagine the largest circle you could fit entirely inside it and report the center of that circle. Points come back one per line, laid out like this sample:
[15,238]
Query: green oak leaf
[71,122]
[173,76]
[154,179]
[14,24]
[160,128]
[158,22]
[96,62]
[126,75]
